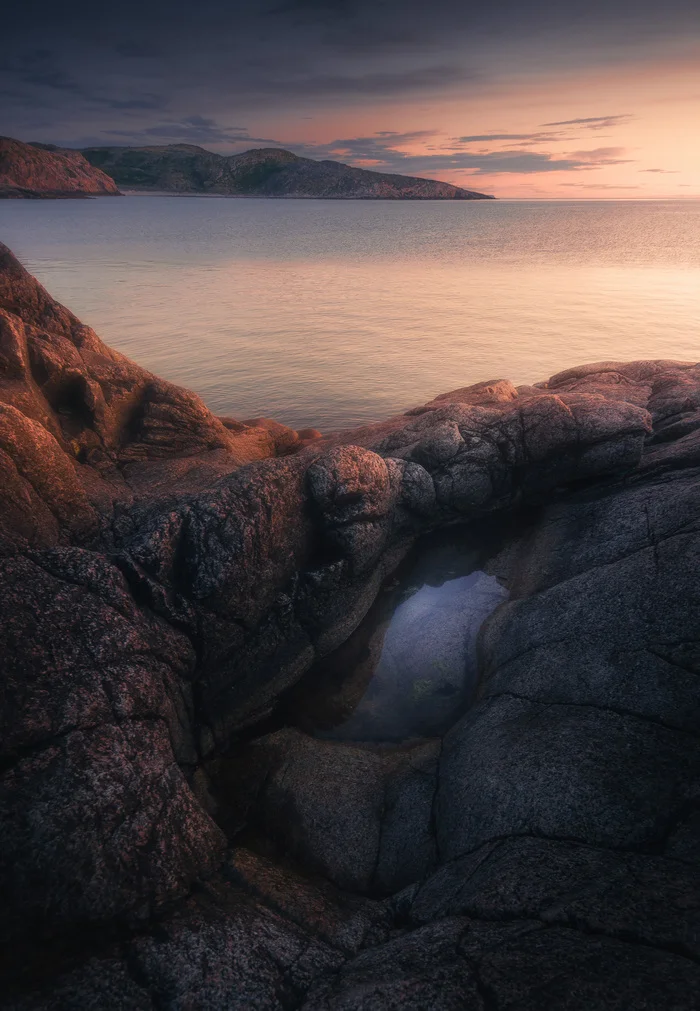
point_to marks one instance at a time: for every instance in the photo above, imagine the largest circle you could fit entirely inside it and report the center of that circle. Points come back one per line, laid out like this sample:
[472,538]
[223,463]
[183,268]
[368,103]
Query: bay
[333,314]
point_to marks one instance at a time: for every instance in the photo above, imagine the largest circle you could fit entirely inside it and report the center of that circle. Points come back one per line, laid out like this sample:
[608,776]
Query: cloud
[383,146]
[543,136]
[191,130]
[332,8]
[384,151]
[601,156]
[520,162]
[40,71]
[78,71]
[141,103]
[323,86]
[38,68]
[599,186]
[593,122]
[529,138]
[136,49]
[666,172]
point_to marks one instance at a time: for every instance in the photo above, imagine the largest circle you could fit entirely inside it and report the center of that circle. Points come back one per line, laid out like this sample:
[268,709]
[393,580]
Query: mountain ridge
[268,172]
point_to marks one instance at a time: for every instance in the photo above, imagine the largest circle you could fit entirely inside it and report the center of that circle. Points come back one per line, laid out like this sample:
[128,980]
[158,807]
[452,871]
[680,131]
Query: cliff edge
[42,171]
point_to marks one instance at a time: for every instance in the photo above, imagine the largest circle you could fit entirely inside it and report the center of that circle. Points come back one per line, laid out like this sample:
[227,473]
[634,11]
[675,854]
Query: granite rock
[167,576]
[38,171]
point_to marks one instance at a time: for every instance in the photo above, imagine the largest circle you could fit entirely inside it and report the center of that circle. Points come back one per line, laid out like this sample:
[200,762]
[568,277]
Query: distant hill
[40,170]
[264,172]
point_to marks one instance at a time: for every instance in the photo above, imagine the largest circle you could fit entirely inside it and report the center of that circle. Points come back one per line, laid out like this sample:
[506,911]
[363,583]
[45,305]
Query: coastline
[261,196]
[167,577]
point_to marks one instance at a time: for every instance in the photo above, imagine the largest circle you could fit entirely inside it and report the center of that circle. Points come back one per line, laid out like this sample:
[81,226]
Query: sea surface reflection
[332,314]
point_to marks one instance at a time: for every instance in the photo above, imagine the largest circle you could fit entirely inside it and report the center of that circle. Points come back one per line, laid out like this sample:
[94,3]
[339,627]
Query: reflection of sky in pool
[427,665]
[410,668]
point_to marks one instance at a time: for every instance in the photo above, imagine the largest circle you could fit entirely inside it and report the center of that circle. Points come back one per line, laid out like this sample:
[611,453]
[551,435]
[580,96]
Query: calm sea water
[332,314]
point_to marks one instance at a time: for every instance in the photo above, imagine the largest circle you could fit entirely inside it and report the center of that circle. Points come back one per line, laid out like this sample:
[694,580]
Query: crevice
[676,949]
[433,823]
[138,976]
[617,710]
[373,885]
[487,994]
[648,850]
[675,663]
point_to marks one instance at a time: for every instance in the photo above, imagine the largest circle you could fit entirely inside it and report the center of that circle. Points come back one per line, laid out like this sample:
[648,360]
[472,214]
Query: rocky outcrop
[43,171]
[83,429]
[263,172]
[167,842]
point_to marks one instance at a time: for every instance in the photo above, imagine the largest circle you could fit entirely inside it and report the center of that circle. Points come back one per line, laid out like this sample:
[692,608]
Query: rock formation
[264,172]
[36,171]
[166,841]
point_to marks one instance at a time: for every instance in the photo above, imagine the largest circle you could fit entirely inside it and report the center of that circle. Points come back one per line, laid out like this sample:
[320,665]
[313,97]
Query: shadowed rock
[166,577]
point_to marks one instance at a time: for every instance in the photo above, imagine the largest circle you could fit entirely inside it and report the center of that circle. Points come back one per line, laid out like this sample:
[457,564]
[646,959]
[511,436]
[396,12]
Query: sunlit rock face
[35,171]
[159,600]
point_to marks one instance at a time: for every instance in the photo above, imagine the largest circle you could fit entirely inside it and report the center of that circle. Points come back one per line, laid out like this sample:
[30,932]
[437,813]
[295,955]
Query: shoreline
[168,577]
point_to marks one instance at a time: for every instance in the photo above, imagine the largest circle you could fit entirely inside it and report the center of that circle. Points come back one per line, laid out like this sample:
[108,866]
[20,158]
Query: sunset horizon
[552,102]
[350,505]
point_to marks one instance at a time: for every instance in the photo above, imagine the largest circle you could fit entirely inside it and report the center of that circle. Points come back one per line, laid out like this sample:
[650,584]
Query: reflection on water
[332,314]
[410,668]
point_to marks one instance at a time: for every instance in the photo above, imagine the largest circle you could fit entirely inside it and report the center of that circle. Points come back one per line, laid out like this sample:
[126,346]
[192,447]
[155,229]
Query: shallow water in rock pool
[410,668]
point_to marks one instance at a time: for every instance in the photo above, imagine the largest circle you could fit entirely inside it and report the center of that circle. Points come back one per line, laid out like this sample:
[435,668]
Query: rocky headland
[262,172]
[170,839]
[38,171]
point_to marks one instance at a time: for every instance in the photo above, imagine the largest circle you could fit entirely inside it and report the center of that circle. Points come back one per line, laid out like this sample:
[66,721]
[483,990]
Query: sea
[332,314]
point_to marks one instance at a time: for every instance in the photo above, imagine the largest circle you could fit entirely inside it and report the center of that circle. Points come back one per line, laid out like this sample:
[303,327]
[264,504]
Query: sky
[531,99]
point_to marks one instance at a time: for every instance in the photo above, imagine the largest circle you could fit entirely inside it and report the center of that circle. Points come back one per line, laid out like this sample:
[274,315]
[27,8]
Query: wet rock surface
[168,578]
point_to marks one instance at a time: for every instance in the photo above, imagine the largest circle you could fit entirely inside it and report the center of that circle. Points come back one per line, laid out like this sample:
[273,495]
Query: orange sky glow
[525,99]
[650,149]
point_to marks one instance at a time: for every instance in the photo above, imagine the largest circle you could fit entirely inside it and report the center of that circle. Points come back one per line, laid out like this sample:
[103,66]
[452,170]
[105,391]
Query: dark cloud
[39,73]
[378,83]
[39,69]
[327,10]
[497,162]
[663,171]
[593,122]
[539,137]
[190,130]
[381,149]
[150,102]
[548,136]
[136,49]
[334,8]
[499,136]
[601,156]
[89,71]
